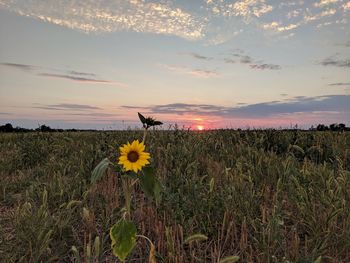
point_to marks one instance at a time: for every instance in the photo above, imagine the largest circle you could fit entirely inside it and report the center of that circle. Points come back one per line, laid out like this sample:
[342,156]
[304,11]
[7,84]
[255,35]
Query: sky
[202,64]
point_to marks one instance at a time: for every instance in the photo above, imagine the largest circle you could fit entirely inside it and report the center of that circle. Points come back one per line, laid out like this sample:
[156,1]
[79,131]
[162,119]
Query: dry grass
[267,196]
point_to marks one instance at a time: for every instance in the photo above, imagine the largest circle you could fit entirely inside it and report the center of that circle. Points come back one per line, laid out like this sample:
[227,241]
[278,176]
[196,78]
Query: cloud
[158,17]
[19,66]
[325,3]
[5,113]
[276,26]
[346,6]
[343,63]
[327,103]
[203,73]
[229,60]
[247,9]
[265,66]
[67,107]
[197,56]
[199,73]
[73,75]
[92,114]
[75,78]
[214,21]
[72,72]
[328,12]
[340,84]
[245,59]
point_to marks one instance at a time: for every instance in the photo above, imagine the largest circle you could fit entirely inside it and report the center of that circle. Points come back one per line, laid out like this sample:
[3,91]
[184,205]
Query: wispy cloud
[265,66]
[197,56]
[247,9]
[346,6]
[199,73]
[323,3]
[72,72]
[214,21]
[159,17]
[72,75]
[92,114]
[332,61]
[279,27]
[75,78]
[339,84]
[327,103]
[67,107]
[239,56]
[19,66]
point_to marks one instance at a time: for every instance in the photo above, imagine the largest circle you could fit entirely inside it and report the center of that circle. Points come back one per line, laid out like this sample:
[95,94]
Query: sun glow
[200,127]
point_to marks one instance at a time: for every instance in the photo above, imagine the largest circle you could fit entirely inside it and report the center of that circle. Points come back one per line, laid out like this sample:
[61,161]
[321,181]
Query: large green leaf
[123,236]
[150,184]
[99,170]
[142,118]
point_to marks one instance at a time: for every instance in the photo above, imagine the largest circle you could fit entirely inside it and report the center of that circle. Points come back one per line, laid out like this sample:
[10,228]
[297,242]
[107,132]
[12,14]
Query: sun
[200,127]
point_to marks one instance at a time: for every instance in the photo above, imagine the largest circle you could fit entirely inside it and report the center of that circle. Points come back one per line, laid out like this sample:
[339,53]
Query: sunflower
[133,156]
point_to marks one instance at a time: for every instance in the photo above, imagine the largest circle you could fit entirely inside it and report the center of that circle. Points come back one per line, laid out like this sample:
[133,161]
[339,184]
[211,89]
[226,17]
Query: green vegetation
[265,196]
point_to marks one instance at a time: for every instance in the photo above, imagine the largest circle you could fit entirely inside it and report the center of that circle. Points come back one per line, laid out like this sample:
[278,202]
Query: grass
[265,196]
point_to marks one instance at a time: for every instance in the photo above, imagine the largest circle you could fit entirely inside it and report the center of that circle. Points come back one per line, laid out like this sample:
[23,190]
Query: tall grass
[266,196]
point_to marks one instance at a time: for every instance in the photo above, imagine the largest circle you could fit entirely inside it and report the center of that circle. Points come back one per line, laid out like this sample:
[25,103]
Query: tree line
[339,127]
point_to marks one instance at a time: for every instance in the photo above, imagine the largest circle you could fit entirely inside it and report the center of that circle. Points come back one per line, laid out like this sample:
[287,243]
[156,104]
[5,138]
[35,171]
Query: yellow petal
[134,145]
[141,147]
[123,149]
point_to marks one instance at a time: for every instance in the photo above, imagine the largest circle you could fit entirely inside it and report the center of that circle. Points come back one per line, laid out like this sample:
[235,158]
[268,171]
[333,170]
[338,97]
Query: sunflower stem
[127,188]
[144,135]
[134,182]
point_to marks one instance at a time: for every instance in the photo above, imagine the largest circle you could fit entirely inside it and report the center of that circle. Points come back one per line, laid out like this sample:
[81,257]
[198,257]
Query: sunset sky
[201,63]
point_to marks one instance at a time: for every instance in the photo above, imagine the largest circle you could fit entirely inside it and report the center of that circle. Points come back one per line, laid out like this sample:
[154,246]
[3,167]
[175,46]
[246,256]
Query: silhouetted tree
[6,128]
[322,127]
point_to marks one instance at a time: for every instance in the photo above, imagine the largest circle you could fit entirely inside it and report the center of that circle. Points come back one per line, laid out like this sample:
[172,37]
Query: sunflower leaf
[99,170]
[155,123]
[142,118]
[150,184]
[123,236]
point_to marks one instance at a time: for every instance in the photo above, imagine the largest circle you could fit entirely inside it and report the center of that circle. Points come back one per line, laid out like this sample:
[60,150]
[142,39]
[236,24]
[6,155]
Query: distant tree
[322,127]
[44,128]
[342,127]
[6,128]
[333,127]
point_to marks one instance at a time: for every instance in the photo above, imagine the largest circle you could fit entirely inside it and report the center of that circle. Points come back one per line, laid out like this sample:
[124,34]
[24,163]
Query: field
[265,196]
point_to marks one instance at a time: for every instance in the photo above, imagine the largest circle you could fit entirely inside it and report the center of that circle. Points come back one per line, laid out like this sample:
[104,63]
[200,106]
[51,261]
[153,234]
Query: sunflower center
[133,156]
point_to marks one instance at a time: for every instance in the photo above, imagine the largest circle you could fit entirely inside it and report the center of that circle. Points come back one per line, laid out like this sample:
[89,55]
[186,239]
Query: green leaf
[211,185]
[142,118]
[318,260]
[123,236]
[99,170]
[230,259]
[195,237]
[155,123]
[150,184]
[131,175]
[76,254]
